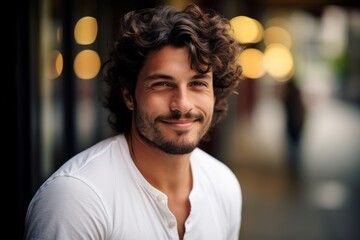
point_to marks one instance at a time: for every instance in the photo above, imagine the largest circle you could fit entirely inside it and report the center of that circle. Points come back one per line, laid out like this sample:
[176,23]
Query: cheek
[152,106]
[153,102]
[205,102]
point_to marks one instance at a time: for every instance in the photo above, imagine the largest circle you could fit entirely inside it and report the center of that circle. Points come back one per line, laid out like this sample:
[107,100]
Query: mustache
[176,115]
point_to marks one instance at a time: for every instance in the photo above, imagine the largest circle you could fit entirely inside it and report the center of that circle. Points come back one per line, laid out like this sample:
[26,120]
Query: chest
[149,217]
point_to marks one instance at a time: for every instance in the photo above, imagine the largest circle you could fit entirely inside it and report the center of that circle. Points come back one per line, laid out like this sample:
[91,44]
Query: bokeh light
[246,29]
[277,35]
[251,60]
[87,64]
[85,31]
[279,62]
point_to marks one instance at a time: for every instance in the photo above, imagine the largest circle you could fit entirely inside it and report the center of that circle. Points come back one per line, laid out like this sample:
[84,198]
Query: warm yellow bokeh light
[277,35]
[251,60]
[85,31]
[278,62]
[57,64]
[87,64]
[246,30]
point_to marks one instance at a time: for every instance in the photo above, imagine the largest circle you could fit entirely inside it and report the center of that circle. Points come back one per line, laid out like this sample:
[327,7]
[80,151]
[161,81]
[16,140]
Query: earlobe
[128,99]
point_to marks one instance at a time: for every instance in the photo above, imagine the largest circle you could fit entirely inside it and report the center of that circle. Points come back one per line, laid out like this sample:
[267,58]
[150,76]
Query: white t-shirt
[100,194]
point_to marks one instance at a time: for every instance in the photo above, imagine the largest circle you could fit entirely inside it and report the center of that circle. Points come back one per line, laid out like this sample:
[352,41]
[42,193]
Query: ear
[128,99]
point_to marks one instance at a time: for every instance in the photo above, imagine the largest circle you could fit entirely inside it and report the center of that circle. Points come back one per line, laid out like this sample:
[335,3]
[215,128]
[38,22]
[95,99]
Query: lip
[180,123]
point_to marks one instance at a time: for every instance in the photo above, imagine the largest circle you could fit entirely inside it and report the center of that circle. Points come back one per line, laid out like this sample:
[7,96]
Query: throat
[170,174]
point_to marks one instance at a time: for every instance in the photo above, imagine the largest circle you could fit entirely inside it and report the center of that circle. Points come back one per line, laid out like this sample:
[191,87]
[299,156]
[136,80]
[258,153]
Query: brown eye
[160,84]
[198,84]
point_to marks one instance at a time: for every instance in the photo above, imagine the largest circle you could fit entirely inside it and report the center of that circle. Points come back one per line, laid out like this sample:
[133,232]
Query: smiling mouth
[180,123]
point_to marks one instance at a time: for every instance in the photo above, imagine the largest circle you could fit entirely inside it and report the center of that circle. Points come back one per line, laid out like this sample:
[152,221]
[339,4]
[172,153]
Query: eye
[199,84]
[160,85]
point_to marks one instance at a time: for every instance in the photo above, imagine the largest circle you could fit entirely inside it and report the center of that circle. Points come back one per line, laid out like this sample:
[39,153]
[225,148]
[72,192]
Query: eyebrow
[158,76]
[202,75]
[168,77]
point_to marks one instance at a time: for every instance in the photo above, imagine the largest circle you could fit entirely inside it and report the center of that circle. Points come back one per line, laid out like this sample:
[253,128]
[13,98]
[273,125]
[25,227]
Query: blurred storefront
[292,134]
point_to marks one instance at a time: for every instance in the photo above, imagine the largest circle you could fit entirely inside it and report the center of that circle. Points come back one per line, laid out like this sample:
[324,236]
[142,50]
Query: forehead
[166,60]
[168,53]
[170,58]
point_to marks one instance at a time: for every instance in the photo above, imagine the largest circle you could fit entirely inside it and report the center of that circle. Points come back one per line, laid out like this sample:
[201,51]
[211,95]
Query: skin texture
[173,109]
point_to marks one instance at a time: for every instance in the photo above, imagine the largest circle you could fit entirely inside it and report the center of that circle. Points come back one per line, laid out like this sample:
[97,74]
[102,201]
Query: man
[168,78]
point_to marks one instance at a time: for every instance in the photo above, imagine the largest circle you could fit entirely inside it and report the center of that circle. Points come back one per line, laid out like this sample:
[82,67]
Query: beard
[150,132]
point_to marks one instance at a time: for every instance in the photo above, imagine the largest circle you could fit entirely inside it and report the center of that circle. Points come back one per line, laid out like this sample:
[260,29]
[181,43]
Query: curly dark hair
[204,32]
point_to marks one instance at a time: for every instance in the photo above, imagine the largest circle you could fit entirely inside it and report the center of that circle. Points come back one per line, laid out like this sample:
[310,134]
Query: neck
[167,172]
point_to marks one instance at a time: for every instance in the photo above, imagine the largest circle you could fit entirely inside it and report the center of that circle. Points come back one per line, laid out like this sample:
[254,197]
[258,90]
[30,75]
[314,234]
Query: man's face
[174,104]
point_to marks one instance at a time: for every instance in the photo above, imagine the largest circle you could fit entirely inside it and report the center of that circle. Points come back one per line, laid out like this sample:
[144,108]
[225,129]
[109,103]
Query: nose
[181,100]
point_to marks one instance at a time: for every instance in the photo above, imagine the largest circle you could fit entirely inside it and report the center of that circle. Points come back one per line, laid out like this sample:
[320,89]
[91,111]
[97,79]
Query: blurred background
[292,135]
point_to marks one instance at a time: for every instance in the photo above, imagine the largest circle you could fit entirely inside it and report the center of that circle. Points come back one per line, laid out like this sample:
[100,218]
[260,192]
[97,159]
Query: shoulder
[59,209]
[209,164]
[99,153]
[87,173]
[218,184]
[78,190]
[210,169]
